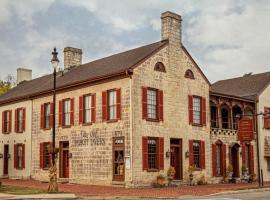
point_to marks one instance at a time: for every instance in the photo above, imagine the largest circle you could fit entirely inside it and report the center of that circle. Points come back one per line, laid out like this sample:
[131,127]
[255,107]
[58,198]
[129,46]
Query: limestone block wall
[91,146]
[16,138]
[176,89]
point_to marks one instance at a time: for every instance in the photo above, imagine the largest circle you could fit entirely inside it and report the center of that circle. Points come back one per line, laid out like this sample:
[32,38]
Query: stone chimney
[72,57]
[23,75]
[171,27]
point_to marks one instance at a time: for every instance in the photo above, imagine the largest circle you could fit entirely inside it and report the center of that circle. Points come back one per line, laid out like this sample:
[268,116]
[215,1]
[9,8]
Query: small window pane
[196,153]
[196,110]
[152,153]
[19,156]
[87,109]
[112,105]
[47,112]
[20,120]
[46,155]
[152,104]
[67,112]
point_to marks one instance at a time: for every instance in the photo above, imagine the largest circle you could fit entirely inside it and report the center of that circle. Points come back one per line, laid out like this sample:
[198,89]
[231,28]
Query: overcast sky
[227,38]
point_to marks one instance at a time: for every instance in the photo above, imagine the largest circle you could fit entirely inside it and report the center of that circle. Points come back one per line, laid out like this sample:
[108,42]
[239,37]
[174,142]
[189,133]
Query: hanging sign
[245,130]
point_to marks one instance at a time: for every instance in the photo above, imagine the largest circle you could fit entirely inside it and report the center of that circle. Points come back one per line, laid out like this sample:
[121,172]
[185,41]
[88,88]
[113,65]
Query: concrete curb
[238,191]
[44,196]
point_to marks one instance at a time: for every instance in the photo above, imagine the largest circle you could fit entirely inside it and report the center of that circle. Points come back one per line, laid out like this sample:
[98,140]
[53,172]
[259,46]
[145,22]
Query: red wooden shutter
[145,153]
[224,159]
[214,159]
[244,154]
[24,118]
[51,114]
[72,111]
[191,155]
[51,150]
[23,156]
[160,105]
[118,104]
[15,156]
[81,110]
[251,159]
[104,106]
[203,116]
[93,108]
[16,121]
[190,108]
[144,103]
[10,121]
[42,116]
[3,122]
[161,153]
[202,157]
[41,165]
[60,113]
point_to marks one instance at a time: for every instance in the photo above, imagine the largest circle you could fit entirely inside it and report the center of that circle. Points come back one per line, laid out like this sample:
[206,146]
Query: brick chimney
[23,75]
[171,27]
[72,57]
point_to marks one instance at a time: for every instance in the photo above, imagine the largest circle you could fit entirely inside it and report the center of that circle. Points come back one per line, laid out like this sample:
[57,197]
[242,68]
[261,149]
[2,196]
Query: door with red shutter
[6,157]
[64,160]
[118,159]
[235,159]
[176,158]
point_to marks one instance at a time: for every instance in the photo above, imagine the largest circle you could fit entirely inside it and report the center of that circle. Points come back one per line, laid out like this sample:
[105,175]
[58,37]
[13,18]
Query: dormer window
[159,66]
[189,74]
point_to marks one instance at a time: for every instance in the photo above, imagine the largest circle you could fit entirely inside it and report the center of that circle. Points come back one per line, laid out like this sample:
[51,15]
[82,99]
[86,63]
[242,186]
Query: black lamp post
[53,170]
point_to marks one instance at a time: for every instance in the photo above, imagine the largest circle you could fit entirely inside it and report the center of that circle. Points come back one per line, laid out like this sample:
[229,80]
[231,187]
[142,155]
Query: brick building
[123,119]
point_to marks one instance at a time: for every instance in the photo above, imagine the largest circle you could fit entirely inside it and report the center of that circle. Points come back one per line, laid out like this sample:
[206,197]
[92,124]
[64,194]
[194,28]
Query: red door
[176,158]
[6,156]
[64,160]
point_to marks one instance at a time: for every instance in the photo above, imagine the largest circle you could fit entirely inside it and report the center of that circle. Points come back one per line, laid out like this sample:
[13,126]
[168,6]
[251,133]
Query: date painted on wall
[84,138]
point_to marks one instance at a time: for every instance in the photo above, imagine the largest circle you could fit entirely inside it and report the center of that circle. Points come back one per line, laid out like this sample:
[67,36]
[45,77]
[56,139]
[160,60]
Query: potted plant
[230,173]
[170,174]
[190,172]
[161,180]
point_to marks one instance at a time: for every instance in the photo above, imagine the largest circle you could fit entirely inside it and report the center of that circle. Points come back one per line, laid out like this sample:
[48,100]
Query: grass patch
[20,190]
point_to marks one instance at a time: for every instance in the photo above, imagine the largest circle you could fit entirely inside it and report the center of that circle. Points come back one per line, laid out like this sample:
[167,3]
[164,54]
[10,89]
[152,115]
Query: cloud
[227,37]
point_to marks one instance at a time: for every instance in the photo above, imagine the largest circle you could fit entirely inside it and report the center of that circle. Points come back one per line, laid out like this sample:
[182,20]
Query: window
[46,155]
[6,122]
[19,157]
[20,120]
[267,118]
[152,153]
[112,104]
[196,110]
[189,74]
[47,113]
[87,101]
[66,113]
[159,66]
[225,118]
[219,159]
[214,118]
[196,154]
[151,104]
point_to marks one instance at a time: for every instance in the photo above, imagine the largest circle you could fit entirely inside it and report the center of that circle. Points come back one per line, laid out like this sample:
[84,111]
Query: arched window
[189,74]
[159,66]
[214,115]
[225,119]
[237,115]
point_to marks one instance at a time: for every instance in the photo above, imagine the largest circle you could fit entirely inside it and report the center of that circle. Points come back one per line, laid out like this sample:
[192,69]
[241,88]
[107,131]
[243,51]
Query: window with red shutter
[72,111]
[23,156]
[104,106]
[203,111]
[145,153]
[191,155]
[15,156]
[118,104]
[10,121]
[42,116]
[214,159]
[251,159]
[190,108]
[224,170]
[160,105]
[60,113]
[161,153]
[3,122]
[6,121]
[144,102]
[16,121]
[202,157]
[51,114]
[93,111]
[41,155]
[24,119]
[81,110]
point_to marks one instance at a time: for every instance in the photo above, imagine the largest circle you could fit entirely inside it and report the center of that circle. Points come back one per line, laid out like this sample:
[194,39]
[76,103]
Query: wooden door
[176,158]
[235,161]
[118,159]
[64,160]
[6,157]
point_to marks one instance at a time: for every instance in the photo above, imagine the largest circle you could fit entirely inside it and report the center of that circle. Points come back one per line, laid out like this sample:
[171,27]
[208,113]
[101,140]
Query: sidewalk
[107,191]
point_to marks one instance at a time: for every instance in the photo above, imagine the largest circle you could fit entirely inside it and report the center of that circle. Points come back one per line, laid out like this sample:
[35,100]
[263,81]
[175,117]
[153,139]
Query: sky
[227,38]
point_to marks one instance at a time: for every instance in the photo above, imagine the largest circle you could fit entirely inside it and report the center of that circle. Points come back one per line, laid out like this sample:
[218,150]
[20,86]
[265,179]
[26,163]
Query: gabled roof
[115,65]
[247,87]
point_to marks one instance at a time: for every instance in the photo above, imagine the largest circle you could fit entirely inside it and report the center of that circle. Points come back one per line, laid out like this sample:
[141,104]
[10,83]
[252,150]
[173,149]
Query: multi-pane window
[196,154]
[66,112]
[152,153]
[219,159]
[87,101]
[152,104]
[46,155]
[6,121]
[112,104]
[196,110]
[19,156]
[20,120]
[47,115]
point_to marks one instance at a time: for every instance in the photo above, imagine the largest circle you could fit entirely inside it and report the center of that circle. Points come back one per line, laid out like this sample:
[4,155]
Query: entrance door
[235,160]
[118,159]
[6,153]
[64,160]
[176,158]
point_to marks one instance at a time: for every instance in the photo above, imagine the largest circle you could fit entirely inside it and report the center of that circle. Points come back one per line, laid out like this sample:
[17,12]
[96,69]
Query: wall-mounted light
[187,154]
[168,153]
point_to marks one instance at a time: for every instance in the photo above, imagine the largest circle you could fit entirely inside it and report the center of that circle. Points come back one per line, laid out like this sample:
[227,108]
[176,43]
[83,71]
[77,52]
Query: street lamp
[53,170]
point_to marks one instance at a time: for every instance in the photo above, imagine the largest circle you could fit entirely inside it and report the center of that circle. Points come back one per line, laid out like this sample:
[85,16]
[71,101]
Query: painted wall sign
[245,130]
[83,138]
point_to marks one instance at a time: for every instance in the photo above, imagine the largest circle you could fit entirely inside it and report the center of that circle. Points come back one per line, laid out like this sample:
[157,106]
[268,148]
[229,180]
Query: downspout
[257,144]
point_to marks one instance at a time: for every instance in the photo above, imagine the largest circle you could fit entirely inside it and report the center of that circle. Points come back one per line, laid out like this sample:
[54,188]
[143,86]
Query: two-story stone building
[123,119]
